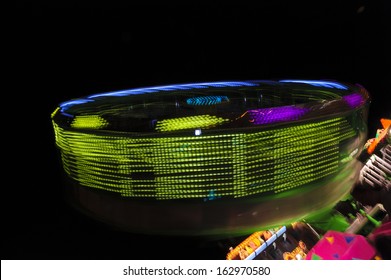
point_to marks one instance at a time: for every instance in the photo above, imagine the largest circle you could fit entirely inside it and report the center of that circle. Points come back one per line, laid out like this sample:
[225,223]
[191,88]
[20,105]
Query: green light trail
[232,165]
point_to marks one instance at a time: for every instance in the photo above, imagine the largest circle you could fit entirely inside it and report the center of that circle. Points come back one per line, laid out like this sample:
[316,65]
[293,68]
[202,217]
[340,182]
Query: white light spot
[197,132]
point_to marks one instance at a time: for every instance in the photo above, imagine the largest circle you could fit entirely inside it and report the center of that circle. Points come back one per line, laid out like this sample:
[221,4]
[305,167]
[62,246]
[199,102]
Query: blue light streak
[173,88]
[66,105]
[317,83]
[91,98]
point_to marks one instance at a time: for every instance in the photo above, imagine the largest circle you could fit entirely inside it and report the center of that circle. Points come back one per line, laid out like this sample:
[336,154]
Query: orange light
[386,123]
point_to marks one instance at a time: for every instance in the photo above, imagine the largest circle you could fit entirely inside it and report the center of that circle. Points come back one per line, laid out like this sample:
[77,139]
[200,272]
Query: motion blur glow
[203,121]
[235,165]
[205,157]
[94,122]
[354,100]
[159,89]
[318,83]
[64,106]
[206,100]
[278,114]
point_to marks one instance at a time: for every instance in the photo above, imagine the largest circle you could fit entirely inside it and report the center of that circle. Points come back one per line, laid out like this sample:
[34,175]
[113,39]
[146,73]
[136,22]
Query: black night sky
[64,51]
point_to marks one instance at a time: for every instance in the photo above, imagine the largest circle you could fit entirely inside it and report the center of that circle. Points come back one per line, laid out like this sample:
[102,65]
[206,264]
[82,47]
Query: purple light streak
[354,100]
[275,115]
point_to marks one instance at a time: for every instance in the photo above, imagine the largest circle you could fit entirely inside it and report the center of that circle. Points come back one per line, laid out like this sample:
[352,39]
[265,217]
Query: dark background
[65,51]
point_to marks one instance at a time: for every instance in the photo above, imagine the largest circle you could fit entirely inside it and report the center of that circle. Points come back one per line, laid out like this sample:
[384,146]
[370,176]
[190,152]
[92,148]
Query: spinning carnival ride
[212,158]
